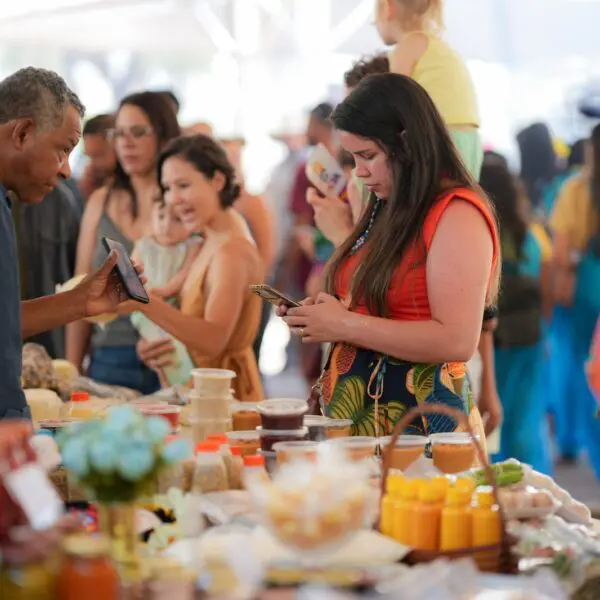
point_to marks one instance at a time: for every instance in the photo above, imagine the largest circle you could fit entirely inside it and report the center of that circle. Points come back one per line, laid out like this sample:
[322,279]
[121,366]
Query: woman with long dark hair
[122,211]
[406,291]
[526,264]
[575,224]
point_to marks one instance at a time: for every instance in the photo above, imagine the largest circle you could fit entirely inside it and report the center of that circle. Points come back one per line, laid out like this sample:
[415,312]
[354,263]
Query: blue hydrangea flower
[75,457]
[158,429]
[176,451]
[120,419]
[135,461]
[104,455]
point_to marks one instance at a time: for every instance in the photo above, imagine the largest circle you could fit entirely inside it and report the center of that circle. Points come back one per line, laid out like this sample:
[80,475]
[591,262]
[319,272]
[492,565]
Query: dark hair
[495,158]
[346,159]
[208,157]
[170,96]
[538,159]
[504,190]
[577,154]
[398,114]
[99,125]
[373,65]
[165,126]
[322,112]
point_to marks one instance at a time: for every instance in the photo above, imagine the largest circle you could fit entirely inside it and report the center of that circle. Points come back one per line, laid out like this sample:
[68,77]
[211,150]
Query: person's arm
[227,283]
[459,263]
[405,54]
[49,312]
[490,405]
[175,284]
[78,333]
[259,217]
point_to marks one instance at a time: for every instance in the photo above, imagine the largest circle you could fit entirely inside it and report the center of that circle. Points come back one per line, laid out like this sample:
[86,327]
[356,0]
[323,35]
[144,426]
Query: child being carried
[167,256]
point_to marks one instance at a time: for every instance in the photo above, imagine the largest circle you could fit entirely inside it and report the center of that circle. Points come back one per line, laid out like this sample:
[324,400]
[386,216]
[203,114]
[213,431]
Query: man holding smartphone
[40,125]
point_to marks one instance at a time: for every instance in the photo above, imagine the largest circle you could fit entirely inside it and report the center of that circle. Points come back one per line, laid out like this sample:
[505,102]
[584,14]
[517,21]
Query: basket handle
[439,409]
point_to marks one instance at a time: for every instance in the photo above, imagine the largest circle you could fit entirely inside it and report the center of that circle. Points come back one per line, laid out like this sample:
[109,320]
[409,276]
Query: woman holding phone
[218,316]
[406,291]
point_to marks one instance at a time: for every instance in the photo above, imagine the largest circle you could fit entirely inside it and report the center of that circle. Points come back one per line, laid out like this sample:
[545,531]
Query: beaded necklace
[360,242]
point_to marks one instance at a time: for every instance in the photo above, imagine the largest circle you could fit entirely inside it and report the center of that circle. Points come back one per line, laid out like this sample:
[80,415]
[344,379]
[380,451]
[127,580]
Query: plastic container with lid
[456,530]
[282,413]
[317,427]
[202,428]
[87,571]
[357,448]
[407,450]
[270,437]
[487,522]
[209,407]
[213,382]
[255,472]
[244,416]
[427,518]
[296,450]
[452,452]
[80,406]
[339,428]
[248,441]
[210,474]
[169,412]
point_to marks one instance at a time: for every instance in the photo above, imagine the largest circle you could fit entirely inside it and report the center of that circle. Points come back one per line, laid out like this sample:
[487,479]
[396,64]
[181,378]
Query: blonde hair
[428,13]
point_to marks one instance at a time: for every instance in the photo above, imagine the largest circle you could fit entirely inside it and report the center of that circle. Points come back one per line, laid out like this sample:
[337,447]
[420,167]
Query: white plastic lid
[316,421]
[459,438]
[406,440]
[243,406]
[339,423]
[282,432]
[243,435]
[282,406]
[214,373]
[357,441]
[299,446]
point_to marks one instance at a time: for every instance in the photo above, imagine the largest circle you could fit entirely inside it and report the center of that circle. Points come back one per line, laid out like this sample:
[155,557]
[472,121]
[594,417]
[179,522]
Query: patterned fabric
[376,391]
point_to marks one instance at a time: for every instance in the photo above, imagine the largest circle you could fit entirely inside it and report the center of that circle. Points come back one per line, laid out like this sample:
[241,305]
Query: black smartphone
[132,285]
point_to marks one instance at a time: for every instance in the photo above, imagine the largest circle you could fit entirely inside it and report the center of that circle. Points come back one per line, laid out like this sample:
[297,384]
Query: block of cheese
[64,370]
[44,404]
[73,282]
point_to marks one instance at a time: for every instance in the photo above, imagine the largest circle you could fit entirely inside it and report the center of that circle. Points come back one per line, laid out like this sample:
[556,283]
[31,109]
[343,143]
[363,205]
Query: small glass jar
[87,571]
[80,406]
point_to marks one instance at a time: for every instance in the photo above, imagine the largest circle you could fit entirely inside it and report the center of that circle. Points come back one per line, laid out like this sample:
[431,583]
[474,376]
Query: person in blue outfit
[518,337]
[575,224]
[40,124]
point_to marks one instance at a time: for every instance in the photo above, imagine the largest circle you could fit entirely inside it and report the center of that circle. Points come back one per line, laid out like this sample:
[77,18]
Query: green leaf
[348,402]
[423,381]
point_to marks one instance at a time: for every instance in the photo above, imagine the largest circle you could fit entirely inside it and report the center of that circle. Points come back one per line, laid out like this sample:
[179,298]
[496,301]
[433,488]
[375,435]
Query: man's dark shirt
[12,399]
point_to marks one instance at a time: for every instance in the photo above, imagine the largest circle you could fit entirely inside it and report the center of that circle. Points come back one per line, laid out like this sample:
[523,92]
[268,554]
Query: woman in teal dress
[518,338]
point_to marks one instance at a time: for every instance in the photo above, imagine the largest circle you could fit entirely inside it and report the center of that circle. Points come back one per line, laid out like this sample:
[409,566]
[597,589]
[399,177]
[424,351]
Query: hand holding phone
[273,296]
[130,280]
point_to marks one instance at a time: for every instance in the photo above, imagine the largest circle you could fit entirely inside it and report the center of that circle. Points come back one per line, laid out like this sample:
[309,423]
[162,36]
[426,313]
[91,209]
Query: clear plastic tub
[297,450]
[452,452]
[210,407]
[317,427]
[338,428]
[408,449]
[213,382]
[245,416]
[168,412]
[202,428]
[248,441]
[357,448]
[282,413]
[270,437]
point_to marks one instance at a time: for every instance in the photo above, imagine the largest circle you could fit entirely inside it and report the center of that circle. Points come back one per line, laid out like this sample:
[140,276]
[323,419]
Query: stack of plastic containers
[210,403]
[281,421]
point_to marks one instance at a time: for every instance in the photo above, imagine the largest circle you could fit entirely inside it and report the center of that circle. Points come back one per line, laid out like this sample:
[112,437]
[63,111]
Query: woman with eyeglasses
[405,293]
[122,211]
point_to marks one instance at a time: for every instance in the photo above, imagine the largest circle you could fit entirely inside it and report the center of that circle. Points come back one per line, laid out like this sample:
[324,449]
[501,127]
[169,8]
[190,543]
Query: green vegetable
[505,473]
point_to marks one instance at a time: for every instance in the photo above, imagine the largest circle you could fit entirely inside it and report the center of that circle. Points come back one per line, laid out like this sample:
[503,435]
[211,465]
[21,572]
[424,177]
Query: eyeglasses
[135,131]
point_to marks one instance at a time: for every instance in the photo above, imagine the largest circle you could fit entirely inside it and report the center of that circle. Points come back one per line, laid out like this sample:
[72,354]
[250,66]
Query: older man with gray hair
[40,125]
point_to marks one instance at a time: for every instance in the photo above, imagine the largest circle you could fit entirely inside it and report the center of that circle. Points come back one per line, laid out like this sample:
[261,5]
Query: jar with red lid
[87,571]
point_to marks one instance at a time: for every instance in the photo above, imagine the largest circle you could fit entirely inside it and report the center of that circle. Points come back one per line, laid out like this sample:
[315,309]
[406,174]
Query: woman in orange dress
[218,316]
[406,292]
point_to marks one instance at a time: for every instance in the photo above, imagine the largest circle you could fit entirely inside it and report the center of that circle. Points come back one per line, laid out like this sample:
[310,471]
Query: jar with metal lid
[87,571]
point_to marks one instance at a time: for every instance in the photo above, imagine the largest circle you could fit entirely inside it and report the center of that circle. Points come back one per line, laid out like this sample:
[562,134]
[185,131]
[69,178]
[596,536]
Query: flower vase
[117,521]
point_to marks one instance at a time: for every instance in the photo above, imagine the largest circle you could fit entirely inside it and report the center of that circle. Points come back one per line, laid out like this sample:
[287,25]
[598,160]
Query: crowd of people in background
[401,276]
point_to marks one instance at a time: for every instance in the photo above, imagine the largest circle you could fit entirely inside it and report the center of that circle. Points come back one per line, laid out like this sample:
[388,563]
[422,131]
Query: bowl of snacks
[315,506]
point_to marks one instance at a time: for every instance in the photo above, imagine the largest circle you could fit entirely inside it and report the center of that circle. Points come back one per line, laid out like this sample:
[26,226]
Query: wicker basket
[490,559]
